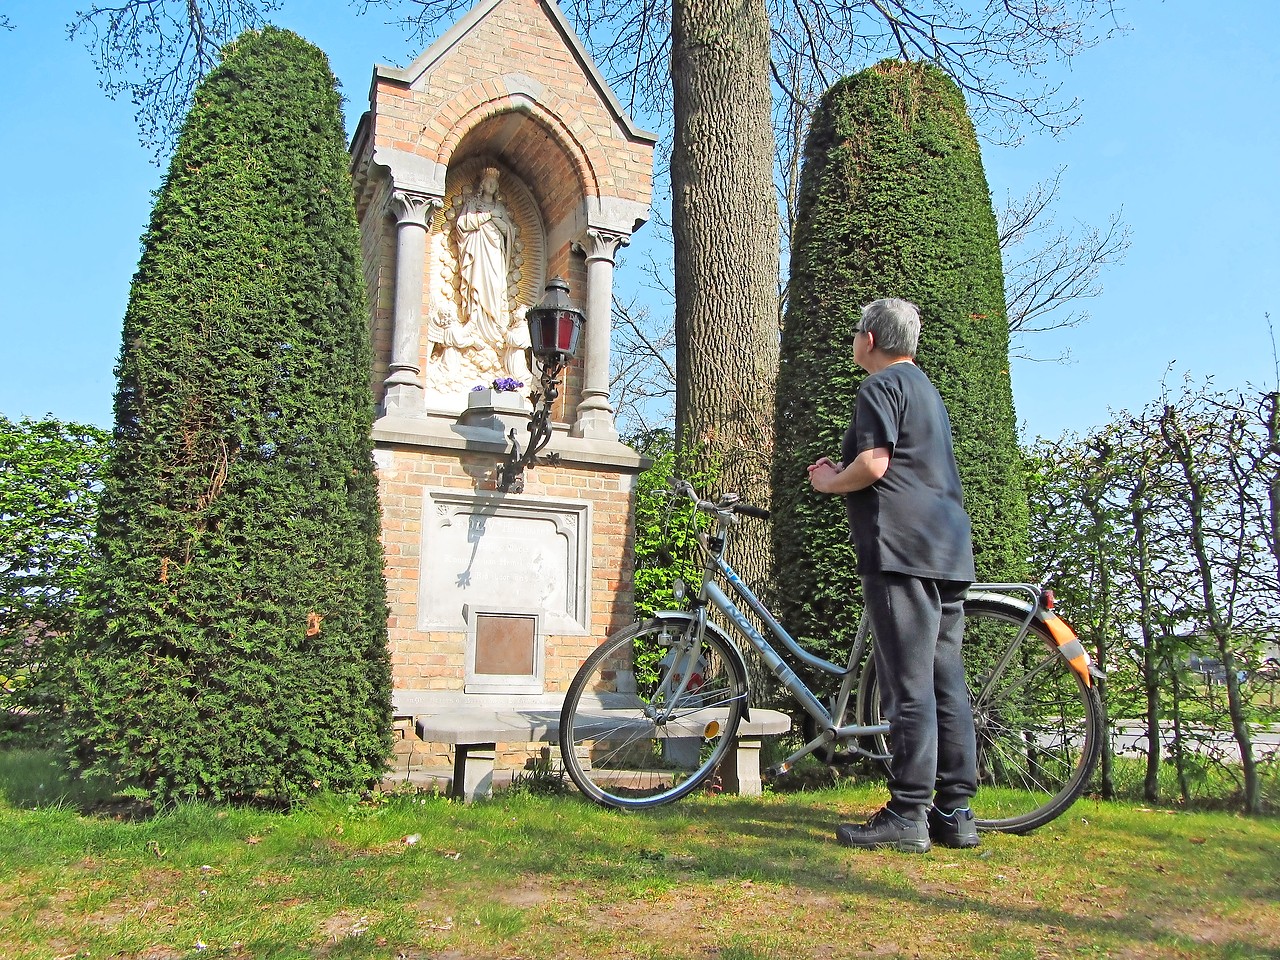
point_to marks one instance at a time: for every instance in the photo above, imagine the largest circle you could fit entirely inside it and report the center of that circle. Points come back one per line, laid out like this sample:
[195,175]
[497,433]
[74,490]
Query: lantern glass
[555,324]
[568,325]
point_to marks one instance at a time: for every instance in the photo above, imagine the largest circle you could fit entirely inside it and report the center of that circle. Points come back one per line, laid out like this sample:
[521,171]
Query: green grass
[1210,784]
[553,877]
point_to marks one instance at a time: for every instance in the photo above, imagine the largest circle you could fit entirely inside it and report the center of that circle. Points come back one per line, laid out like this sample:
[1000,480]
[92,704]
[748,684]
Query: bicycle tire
[1039,727]
[617,756]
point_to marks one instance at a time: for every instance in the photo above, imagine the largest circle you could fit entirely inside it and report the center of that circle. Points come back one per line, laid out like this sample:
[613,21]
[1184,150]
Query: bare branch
[156,52]
[1048,270]
[643,378]
[1063,271]
[1022,217]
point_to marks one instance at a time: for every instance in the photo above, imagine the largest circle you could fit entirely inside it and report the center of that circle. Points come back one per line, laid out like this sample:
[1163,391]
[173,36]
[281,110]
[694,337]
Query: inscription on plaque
[497,553]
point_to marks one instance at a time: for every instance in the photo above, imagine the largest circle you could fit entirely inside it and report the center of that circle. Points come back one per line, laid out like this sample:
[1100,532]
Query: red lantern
[555,324]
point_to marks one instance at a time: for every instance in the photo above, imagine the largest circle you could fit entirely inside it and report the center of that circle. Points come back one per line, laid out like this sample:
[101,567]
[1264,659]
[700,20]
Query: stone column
[413,212]
[595,414]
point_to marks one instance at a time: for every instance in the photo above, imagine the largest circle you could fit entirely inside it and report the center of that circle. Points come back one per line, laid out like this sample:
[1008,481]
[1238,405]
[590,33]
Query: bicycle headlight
[678,590]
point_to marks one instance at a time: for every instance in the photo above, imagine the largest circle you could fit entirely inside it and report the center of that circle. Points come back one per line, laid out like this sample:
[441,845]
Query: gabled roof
[438,51]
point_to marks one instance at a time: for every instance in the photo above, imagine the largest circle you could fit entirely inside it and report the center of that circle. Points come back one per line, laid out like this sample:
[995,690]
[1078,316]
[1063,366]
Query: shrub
[666,528]
[233,640]
[49,482]
[893,202]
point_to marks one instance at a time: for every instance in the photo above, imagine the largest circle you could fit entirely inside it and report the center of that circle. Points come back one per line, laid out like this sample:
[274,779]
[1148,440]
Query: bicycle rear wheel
[633,732]
[1039,725]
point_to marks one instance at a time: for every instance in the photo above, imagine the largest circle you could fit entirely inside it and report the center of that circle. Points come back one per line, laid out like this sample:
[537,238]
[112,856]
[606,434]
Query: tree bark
[1151,661]
[1101,645]
[725,225]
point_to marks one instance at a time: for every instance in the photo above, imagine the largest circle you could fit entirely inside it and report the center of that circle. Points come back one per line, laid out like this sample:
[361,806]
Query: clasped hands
[822,472]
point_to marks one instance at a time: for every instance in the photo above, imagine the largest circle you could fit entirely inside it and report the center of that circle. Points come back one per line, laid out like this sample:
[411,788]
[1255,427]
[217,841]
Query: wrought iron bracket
[511,471]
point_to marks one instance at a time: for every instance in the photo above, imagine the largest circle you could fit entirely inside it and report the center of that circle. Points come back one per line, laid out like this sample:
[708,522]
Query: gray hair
[895,324]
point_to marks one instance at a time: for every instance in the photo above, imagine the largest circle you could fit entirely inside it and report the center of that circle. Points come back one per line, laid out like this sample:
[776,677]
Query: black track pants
[918,626]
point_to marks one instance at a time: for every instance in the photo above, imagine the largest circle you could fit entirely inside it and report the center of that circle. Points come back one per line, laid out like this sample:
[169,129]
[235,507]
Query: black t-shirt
[912,520]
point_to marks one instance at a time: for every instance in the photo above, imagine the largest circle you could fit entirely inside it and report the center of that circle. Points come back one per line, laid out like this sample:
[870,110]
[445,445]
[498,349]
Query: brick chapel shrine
[497,160]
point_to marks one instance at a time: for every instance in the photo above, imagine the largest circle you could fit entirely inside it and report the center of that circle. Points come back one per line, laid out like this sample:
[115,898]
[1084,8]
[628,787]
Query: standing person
[911,533]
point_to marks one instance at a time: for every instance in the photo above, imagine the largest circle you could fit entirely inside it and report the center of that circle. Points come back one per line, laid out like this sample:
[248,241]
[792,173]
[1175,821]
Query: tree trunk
[1273,484]
[1218,627]
[1150,657]
[1102,649]
[725,226]
[1179,752]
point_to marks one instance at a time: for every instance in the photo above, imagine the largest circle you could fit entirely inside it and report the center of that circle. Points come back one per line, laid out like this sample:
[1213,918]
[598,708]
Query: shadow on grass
[793,845]
[32,779]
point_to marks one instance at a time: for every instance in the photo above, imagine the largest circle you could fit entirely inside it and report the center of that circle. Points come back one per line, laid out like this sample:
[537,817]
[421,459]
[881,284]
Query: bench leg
[473,771]
[553,756]
[740,773]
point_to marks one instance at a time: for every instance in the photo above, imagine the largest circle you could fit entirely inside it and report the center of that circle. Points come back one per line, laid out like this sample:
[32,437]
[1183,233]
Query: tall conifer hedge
[893,203]
[233,642]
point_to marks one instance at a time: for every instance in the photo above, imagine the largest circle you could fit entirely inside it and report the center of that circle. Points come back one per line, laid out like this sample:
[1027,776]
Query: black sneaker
[886,829]
[956,829]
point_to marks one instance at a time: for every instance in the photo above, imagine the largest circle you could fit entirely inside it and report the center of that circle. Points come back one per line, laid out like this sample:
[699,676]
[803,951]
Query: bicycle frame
[634,734]
[711,593]
[832,731]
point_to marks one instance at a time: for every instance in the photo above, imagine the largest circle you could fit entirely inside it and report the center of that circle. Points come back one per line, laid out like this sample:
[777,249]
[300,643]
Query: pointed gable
[505,65]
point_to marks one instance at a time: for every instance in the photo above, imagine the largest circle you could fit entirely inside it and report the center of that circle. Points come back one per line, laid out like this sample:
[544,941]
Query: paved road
[1130,739]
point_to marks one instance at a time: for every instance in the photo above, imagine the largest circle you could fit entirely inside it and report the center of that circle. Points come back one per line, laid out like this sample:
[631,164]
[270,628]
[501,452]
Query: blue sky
[1179,134]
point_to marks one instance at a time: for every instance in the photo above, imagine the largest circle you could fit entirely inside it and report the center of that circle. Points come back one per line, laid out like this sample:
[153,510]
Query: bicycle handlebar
[729,502]
[750,511]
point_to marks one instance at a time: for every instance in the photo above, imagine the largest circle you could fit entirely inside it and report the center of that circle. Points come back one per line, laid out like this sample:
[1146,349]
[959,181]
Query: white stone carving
[487,259]
[486,237]
[449,369]
[515,353]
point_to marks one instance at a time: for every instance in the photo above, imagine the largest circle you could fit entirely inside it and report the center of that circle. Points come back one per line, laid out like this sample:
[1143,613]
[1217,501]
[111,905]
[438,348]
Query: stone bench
[475,730]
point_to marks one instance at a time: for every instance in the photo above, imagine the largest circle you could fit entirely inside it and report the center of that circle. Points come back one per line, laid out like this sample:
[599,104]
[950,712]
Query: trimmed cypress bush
[893,203]
[233,641]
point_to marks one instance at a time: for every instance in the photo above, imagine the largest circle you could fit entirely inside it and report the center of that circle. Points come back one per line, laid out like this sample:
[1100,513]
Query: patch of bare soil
[525,893]
[346,923]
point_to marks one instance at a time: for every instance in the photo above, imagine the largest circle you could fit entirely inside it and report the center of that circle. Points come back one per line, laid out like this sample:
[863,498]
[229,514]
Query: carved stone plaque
[502,553]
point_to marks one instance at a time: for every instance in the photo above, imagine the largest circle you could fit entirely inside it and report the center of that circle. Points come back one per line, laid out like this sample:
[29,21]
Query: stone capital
[602,244]
[413,207]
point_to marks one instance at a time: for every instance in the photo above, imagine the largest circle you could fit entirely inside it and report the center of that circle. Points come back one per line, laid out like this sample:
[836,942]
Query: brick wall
[514,89]
[435,660]
[473,82]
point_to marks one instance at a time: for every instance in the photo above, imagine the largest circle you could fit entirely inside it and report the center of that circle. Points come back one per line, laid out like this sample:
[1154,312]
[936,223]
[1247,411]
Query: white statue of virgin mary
[485,234]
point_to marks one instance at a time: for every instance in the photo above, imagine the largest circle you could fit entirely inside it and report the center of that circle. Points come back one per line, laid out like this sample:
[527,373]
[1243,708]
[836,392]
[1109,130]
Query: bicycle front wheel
[651,714]
[1039,725]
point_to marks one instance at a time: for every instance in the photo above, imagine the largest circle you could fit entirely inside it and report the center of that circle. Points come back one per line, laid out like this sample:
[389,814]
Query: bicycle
[653,711]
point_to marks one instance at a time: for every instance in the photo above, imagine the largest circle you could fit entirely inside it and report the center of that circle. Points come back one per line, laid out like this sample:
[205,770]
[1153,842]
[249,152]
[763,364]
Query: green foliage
[666,546]
[542,777]
[1158,530]
[666,528]
[893,202]
[49,481]
[233,641]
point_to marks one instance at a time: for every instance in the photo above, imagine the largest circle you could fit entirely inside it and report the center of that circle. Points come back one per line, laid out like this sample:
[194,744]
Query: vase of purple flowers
[502,395]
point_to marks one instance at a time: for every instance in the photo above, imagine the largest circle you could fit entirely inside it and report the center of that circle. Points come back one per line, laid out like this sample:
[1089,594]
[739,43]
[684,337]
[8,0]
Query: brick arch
[484,101]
